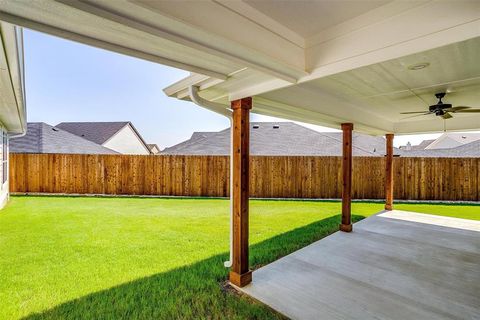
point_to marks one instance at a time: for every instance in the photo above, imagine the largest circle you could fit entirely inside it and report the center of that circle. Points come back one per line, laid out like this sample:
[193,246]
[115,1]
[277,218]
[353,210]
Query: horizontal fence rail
[271,176]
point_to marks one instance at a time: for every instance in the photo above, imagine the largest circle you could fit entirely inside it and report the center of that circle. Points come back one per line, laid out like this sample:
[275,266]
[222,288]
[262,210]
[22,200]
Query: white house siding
[4,193]
[126,141]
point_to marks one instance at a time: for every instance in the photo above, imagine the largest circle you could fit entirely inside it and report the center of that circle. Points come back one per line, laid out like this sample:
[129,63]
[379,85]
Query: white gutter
[220,109]
[22,112]
[18,135]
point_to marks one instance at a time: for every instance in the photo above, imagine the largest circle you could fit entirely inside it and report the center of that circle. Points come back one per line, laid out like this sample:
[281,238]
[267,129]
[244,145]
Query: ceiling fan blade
[447,116]
[469,111]
[412,112]
[418,115]
[456,109]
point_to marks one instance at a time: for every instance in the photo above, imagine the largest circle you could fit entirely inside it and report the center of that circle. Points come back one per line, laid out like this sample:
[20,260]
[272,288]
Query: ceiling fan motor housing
[439,107]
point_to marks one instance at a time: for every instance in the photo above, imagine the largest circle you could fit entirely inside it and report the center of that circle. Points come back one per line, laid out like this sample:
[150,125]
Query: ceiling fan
[441,109]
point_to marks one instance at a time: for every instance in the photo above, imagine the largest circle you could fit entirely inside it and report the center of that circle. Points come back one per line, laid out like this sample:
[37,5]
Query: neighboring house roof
[44,138]
[200,135]
[469,150]
[98,132]
[453,139]
[280,138]
[423,144]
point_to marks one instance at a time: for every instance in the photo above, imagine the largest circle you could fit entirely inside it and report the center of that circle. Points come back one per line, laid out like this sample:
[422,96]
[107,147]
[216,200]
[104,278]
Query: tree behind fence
[271,176]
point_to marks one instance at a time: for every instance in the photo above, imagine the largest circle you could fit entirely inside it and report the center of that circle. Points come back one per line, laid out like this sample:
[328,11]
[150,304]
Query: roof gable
[468,150]
[453,140]
[423,145]
[98,132]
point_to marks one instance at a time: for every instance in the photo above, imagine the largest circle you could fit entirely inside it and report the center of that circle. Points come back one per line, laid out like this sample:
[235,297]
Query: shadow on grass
[190,292]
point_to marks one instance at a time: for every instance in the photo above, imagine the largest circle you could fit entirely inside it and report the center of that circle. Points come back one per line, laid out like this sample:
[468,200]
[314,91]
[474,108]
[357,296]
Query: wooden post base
[240,280]
[388,207]
[346,227]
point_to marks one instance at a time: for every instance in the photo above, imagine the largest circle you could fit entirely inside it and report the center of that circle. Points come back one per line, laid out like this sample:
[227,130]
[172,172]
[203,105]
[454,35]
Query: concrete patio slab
[395,265]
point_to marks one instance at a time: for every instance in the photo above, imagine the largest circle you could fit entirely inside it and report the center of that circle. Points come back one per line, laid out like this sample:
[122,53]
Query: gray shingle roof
[44,138]
[423,144]
[98,132]
[469,150]
[288,139]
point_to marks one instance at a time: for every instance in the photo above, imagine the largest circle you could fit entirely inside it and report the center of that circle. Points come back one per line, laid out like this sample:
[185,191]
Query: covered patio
[368,68]
[396,265]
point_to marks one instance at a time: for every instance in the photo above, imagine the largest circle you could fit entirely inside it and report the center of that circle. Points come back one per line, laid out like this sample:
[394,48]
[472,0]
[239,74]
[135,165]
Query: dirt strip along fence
[271,176]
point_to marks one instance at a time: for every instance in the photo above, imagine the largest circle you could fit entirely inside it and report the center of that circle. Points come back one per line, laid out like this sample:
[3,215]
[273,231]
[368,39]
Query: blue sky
[68,81]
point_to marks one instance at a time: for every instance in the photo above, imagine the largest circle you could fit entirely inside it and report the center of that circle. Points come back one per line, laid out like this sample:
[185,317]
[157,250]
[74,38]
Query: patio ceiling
[324,62]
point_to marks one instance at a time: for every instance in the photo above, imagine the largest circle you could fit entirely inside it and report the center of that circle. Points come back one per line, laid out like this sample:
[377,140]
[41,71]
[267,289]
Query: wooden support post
[389,173]
[347,178]
[240,274]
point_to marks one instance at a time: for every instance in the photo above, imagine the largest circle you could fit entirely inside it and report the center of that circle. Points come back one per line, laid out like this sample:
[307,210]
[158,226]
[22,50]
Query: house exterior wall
[126,141]
[4,167]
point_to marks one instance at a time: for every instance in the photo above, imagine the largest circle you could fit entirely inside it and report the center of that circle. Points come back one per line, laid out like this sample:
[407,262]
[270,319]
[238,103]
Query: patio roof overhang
[320,62]
[12,83]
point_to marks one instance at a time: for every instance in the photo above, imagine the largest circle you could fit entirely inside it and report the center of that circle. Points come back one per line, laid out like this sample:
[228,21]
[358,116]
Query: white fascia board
[258,88]
[274,26]
[191,80]
[81,38]
[439,125]
[218,26]
[180,89]
[325,103]
[191,36]
[328,119]
[256,85]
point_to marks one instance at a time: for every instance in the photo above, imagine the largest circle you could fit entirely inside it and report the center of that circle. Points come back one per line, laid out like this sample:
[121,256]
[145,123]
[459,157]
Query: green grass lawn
[133,258]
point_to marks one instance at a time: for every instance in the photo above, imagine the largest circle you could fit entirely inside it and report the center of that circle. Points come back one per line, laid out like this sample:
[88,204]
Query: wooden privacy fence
[271,176]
